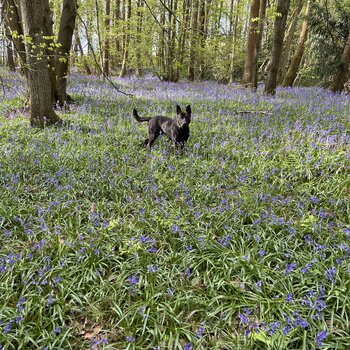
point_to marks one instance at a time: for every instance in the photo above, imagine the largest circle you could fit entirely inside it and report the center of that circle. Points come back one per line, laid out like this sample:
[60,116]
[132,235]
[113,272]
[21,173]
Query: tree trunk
[161,46]
[236,34]
[13,22]
[183,31]
[65,35]
[294,66]
[10,61]
[341,76]
[255,68]
[289,39]
[117,19]
[80,47]
[277,45]
[252,42]
[97,8]
[203,14]
[139,72]
[126,41]
[106,46]
[193,39]
[49,45]
[41,112]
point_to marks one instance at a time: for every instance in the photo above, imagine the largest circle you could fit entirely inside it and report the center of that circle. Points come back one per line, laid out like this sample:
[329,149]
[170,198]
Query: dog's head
[183,117]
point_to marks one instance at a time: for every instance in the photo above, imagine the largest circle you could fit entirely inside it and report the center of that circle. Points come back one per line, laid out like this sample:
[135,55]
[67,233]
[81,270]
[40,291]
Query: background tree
[289,39]
[253,38]
[41,112]
[277,46]
[255,72]
[294,66]
[106,39]
[65,35]
[343,68]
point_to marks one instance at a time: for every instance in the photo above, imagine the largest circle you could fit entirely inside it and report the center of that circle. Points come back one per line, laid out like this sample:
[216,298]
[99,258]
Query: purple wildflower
[320,337]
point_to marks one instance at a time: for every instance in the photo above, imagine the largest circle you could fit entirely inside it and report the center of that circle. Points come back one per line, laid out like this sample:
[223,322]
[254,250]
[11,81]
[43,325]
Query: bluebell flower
[188,346]
[290,267]
[130,339]
[200,330]
[330,274]
[320,337]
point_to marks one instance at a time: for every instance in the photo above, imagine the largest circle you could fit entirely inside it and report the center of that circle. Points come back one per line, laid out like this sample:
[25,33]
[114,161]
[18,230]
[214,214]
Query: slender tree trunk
[13,22]
[41,112]
[161,46]
[255,68]
[10,61]
[236,34]
[230,17]
[183,31]
[106,46]
[277,46]
[194,25]
[80,47]
[117,19]
[252,42]
[139,71]
[298,55]
[49,51]
[203,35]
[97,9]
[343,68]
[126,42]
[65,36]
[289,39]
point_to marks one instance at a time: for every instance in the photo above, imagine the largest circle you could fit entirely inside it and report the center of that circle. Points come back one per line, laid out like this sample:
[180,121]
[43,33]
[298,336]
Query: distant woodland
[274,42]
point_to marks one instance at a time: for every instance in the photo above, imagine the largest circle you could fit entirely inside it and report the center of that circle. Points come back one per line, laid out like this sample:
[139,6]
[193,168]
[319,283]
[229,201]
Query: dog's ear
[188,109]
[178,109]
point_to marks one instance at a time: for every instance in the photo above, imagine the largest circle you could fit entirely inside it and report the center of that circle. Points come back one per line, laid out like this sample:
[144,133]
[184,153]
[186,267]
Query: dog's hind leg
[151,138]
[145,143]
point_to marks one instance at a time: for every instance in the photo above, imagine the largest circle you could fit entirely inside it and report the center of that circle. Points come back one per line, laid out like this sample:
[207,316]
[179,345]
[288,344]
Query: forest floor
[242,242]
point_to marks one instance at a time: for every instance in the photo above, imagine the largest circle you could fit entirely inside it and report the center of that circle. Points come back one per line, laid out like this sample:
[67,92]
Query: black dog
[177,129]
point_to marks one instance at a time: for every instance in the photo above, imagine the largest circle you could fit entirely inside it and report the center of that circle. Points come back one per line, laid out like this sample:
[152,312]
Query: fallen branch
[258,112]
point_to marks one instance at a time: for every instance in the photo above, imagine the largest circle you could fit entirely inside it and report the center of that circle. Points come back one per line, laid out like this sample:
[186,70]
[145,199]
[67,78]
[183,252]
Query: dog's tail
[138,118]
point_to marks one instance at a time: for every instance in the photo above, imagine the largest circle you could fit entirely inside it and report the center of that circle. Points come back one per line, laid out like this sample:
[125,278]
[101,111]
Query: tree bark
[236,34]
[341,76]
[126,41]
[203,17]
[298,55]
[41,112]
[252,42]
[106,46]
[255,68]
[193,39]
[13,22]
[139,71]
[277,45]
[80,47]
[10,61]
[183,35]
[289,39]
[65,35]
[117,19]
[100,51]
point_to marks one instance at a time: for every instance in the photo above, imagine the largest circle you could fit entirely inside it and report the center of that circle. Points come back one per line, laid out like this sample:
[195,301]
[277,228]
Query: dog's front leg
[175,147]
